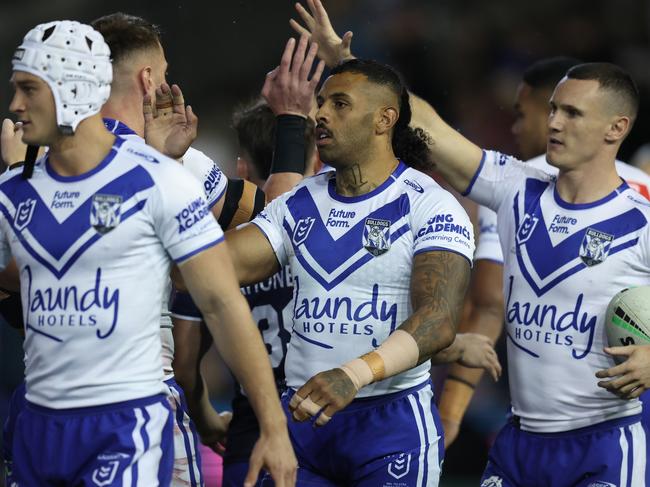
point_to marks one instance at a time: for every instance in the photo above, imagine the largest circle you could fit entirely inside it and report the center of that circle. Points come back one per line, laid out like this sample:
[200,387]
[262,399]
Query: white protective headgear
[74,60]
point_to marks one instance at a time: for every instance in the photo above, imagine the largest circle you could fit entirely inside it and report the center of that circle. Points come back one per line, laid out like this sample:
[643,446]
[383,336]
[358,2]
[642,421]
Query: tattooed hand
[323,395]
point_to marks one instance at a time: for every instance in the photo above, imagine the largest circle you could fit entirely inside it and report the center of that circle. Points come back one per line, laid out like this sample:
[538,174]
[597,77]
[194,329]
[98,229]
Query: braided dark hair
[409,144]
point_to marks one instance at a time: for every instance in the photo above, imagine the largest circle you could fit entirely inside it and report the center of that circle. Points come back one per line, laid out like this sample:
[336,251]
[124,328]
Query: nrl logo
[376,236]
[105,212]
[526,228]
[303,227]
[595,246]
[105,475]
[399,467]
[24,213]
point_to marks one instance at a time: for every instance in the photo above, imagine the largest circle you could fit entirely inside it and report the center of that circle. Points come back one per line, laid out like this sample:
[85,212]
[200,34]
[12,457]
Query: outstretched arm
[318,27]
[289,92]
[252,255]
[457,158]
[438,285]
[210,278]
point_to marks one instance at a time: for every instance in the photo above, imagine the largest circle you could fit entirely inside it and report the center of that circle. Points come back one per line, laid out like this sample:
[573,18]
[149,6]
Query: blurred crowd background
[464,56]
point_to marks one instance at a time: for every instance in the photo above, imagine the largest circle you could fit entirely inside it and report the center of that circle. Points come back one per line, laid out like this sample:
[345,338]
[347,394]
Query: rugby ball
[628,317]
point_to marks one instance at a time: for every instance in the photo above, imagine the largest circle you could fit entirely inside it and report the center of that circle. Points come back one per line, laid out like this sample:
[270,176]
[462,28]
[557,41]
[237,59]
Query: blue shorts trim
[187,459]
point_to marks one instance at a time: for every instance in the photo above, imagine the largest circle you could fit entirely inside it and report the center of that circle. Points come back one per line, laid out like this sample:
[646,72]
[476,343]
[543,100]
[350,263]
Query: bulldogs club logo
[376,236]
[105,212]
[595,246]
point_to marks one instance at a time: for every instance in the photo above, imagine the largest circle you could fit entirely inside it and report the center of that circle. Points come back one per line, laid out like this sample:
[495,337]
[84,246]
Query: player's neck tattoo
[352,180]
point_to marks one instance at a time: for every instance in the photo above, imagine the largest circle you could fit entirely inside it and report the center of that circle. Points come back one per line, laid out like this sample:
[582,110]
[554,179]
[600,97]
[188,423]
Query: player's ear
[618,129]
[387,119]
[146,82]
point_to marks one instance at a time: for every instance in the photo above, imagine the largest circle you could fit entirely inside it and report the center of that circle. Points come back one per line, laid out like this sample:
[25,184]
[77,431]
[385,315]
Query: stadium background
[464,56]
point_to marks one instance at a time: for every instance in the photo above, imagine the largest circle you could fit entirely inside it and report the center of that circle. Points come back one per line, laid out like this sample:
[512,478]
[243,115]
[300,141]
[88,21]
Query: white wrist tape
[398,353]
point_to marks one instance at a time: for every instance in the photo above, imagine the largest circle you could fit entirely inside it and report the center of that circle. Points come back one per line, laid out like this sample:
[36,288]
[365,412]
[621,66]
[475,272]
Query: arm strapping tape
[399,352]
[243,201]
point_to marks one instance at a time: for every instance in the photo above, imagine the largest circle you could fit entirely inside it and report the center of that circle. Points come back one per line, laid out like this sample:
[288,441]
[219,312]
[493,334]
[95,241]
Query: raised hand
[288,89]
[323,395]
[172,128]
[11,142]
[332,48]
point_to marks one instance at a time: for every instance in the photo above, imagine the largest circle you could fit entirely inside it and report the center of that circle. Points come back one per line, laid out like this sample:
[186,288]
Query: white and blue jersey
[187,460]
[351,259]
[488,246]
[93,252]
[214,184]
[563,264]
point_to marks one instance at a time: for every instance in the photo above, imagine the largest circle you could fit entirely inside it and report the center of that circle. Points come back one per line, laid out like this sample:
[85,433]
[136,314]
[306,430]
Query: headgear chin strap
[74,60]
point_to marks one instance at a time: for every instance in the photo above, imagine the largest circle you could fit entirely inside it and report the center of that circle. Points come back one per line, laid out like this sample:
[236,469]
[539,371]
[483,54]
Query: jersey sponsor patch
[191,214]
[211,182]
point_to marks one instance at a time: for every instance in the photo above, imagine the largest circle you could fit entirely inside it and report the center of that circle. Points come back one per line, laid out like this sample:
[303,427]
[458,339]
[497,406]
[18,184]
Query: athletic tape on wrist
[398,353]
[376,364]
[289,151]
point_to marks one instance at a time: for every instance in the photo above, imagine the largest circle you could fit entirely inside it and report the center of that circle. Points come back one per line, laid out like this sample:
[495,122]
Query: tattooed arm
[438,284]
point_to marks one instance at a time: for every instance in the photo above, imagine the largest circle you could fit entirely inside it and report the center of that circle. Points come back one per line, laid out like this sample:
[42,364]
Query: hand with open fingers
[274,453]
[288,89]
[323,395]
[11,142]
[332,49]
[630,378]
[170,131]
[478,352]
